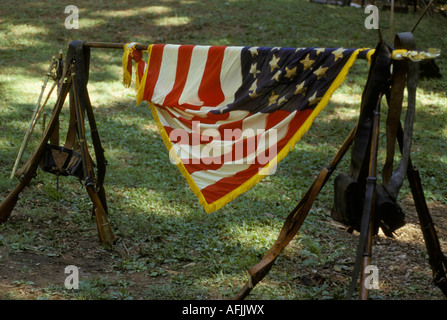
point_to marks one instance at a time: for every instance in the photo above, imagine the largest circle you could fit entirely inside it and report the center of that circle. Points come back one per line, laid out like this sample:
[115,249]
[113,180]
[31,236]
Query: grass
[165,239]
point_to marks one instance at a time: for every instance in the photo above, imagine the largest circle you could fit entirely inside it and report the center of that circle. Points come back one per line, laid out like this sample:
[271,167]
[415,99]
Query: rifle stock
[10,201]
[104,229]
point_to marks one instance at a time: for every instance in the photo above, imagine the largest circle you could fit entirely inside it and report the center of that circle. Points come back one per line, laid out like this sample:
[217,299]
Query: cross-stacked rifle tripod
[360,202]
[73,158]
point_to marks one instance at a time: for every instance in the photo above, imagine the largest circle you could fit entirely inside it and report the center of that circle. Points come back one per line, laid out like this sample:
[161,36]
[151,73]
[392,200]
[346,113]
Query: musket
[367,224]
[294,220]
[10,201]
[104,228]
[37,110]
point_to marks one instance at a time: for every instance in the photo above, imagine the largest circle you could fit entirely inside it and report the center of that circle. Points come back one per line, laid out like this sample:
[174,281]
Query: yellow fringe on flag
[131,53]
[142,83]
[127,59]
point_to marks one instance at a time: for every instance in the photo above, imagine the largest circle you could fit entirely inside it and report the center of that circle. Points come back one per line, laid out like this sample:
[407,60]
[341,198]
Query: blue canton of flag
[287,79]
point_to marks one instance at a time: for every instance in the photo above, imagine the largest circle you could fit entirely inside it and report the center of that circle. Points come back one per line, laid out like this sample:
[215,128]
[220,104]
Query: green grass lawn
[168,247]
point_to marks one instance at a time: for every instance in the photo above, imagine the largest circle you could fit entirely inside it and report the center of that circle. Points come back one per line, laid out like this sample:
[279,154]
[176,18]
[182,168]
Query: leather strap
[405,40]
[395,98]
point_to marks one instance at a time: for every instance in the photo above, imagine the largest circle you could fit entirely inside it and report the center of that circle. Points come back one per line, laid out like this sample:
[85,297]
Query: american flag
[229,114]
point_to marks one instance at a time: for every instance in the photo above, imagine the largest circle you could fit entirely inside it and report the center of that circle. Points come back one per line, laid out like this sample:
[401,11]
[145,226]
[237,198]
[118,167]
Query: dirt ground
[403,263]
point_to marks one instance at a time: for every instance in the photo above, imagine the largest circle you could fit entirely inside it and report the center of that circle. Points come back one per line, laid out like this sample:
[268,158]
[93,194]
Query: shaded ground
[31,273]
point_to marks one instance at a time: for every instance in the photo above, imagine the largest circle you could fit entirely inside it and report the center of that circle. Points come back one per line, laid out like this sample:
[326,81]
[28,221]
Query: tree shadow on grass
[158,220]
[159,223]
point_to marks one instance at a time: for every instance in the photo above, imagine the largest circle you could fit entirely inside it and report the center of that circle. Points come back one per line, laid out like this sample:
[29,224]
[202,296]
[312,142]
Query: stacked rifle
[73,158]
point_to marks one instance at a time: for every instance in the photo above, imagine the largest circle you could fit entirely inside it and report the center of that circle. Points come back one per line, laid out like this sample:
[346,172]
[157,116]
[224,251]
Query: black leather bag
[61,161]
[348,206]
[348,201]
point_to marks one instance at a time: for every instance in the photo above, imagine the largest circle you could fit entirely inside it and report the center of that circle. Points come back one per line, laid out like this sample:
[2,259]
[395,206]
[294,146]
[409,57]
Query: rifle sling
[82,56]
[395,97]
[395,182]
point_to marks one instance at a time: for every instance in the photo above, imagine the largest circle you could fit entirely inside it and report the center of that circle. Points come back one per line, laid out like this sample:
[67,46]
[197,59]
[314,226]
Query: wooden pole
[391,21]
[422,15]
[112,45]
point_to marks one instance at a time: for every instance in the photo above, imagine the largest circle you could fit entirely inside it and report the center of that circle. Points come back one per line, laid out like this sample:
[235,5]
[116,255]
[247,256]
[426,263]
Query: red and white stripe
[185,83]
